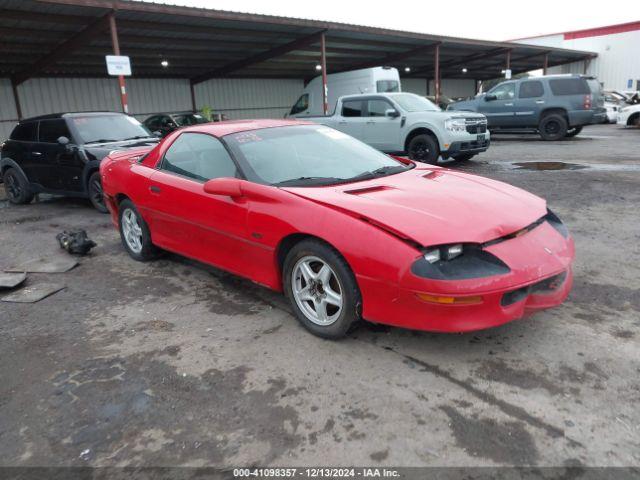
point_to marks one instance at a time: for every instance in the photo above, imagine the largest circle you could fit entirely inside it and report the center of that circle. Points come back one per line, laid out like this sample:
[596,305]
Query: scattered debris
[85,454]
[50,264]
[33,293]
[75,242]
[11,280]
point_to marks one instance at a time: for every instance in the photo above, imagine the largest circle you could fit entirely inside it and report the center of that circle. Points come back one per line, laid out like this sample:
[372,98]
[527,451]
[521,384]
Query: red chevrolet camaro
[345,231]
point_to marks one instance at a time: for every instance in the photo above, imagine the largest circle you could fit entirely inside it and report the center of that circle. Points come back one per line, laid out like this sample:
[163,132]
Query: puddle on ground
[548,166]
[538,166]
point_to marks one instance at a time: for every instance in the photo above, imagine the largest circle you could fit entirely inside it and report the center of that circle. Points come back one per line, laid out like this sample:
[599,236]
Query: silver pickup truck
[408,123]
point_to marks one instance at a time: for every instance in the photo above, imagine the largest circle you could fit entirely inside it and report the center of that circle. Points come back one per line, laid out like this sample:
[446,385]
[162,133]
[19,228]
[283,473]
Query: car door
[60,166]
[529,103]
[380,131]
[19,149]
[351,119]
[185,219]
[498,105]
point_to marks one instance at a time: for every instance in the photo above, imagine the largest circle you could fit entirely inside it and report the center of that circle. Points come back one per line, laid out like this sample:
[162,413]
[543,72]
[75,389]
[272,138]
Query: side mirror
[392,113]
[64,141]
[229,187]
[489,97]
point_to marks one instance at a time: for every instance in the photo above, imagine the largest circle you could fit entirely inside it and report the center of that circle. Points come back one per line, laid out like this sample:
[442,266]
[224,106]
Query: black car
[164,123]
[61,153]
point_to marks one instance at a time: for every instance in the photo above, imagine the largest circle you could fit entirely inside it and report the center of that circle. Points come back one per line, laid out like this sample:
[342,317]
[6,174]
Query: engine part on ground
[75,242]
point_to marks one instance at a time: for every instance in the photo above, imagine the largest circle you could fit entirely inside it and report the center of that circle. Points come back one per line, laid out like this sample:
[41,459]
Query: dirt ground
[175,363]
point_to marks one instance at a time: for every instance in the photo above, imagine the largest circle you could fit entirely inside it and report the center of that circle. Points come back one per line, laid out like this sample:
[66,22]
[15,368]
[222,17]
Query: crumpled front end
[531,272]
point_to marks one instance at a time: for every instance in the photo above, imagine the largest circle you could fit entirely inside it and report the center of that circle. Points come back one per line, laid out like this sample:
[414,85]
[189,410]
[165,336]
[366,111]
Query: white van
[367,80]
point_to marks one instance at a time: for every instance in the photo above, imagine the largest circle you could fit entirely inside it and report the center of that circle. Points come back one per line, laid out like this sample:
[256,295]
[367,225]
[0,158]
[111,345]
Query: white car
[629,116]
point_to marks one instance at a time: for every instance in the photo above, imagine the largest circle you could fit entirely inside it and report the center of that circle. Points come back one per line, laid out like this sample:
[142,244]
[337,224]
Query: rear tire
[134,233]
[553,127]
[423,148]
[96,196]
[572,132]
[17,188]
[322,289]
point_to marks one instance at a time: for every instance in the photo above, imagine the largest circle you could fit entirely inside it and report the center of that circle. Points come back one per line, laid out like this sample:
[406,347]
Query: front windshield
[304,155]
[109,128]
[187,119]
[414,103]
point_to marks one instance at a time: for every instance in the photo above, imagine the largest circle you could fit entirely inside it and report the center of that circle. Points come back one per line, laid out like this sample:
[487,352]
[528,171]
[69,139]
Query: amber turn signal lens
[473,300]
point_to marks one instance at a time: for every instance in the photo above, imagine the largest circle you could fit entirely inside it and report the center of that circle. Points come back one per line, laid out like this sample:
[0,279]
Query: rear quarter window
[25,132]
[569,86]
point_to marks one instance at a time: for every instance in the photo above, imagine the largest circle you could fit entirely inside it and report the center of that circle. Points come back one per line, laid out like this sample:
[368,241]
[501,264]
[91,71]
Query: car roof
[53,116]
[220,129]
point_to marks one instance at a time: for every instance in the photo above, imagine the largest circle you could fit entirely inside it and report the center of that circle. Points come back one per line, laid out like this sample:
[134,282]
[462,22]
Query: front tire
[553,127]
[134,233]
[423,148]
[322,289]
[572,132]
[96,196]
[17,188]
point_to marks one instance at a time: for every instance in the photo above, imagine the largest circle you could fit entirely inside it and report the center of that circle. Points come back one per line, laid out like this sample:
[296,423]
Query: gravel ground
[176,363]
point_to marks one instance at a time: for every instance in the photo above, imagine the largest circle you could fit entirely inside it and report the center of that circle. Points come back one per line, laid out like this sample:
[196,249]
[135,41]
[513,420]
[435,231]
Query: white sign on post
[507,74]
[118,65]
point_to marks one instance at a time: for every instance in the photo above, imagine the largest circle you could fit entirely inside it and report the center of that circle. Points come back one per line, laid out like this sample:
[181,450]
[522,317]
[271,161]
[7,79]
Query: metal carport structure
[69,38]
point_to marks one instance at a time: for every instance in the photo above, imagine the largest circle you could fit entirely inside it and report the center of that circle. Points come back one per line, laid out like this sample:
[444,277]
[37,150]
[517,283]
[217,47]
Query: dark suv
[61,153]
[556,106]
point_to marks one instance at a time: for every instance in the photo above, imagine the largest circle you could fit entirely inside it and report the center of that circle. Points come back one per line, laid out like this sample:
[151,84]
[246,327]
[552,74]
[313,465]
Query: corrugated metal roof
[197,42]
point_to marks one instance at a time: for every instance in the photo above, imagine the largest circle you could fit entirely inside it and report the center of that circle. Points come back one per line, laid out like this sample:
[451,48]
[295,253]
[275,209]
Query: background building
[617,65]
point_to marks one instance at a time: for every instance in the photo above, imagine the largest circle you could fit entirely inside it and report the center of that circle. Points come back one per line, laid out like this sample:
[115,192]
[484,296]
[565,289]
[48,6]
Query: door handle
[539,102]
[342,123]
[154,189]
[508,104]
[36,154]
[371,122]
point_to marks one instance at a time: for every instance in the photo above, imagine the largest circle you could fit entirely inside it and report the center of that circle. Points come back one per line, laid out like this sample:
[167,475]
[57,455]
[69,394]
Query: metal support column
[323,65]
[193,97]
[587,62]
[508,62]
[116,51]
[436,73]
[16,99]
[545,66]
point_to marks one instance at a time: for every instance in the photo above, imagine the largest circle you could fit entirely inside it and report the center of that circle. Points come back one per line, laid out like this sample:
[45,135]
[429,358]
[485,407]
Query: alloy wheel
[96,193]
[131,230]
[420,151]
[317,290]
[13,186]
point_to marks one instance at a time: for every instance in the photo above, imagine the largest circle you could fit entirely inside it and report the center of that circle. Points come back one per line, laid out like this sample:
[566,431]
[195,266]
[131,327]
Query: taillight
[587,102]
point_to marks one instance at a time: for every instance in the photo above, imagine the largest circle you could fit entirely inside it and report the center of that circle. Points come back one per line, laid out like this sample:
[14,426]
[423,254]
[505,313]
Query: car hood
[433,206]
[100,150]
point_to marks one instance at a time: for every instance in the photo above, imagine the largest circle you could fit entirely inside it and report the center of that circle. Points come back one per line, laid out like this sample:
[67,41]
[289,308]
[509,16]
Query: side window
[531,89]
[301,105]
[352,108]
[387,86]
[25,132]
[198,156]
[152,123]
[377,108]
[569,86]
[505,91]
[51,130]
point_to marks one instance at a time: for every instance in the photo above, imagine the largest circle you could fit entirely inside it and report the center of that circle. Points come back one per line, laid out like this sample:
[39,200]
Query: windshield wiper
[307,181]
[137,137]
[378,172]
[102,140]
